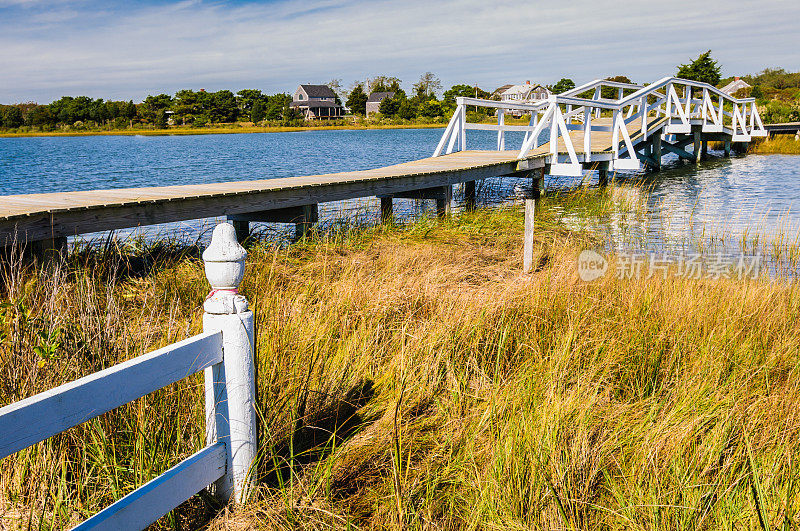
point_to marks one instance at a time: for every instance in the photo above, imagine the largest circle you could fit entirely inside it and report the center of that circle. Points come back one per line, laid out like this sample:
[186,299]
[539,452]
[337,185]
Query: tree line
[777,90]
[186,107]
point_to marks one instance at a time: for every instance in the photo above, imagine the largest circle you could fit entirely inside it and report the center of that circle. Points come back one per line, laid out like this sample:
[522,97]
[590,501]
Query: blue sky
[126,50]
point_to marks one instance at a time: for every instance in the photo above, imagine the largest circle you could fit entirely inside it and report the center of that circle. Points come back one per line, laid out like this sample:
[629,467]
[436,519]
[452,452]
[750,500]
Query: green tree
[40,116]
[223,107]
[430,109]
[427,86]
[407,109]
[246,98]
[12,117]
[703,69]
[154,109]
[611,93]
[464,91]
[257,113]
[564,84]
[389,106]
[357,100]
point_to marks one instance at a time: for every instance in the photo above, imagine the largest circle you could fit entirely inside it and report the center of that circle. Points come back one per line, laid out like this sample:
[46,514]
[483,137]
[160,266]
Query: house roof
[502,89]
[379,96]
[733,86]
[522,89]
[314,104]
[318,91]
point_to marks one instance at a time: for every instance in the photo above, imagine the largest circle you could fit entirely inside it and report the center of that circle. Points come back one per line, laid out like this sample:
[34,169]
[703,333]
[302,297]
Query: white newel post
[230,388]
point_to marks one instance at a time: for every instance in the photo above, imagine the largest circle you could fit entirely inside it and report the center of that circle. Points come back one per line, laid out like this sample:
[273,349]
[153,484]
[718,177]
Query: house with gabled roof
[375,99]
[735,86]
[316,102]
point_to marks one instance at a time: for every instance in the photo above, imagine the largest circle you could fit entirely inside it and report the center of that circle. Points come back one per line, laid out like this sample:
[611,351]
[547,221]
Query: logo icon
[591,265]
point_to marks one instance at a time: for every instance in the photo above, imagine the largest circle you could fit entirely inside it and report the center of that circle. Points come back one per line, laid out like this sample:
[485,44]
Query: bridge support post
[656,149]
[704,150]
[469,196]
[242,229]
[538,182]
[696,145]
[309,219]
[230,386]
[530,209]
[387,211]
[602,171]
[727,148]
[443,201]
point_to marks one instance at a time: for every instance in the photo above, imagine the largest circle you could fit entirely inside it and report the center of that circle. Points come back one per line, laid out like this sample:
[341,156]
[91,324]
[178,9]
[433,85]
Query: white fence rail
[670,106]
[224,351]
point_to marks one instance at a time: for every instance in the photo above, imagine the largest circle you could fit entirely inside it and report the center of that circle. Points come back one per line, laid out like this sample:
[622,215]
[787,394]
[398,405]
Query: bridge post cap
[224,267]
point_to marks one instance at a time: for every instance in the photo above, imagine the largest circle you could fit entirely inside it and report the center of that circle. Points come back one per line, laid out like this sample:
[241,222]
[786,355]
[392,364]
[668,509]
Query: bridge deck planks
[63,213]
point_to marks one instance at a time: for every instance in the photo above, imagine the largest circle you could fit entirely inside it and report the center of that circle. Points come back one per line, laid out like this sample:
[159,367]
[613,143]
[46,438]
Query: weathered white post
[230,388]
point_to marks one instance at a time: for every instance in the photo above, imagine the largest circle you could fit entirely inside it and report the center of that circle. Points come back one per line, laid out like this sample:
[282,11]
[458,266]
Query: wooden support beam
[242,229]
[696,135]
[727,148]
[444,201]
[309,219]
[387,211]
[656,149]
[704,150]
[673,148]
[602,171]
[469,195]
[527,248]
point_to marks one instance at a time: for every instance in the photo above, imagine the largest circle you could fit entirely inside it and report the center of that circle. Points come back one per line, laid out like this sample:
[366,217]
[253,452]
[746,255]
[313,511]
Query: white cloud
[48,52]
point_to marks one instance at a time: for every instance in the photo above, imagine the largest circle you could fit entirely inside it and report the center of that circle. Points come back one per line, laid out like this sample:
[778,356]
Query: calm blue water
[736,197]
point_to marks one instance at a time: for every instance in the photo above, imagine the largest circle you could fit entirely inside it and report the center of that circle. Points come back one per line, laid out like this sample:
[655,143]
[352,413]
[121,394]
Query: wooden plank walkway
[32,217]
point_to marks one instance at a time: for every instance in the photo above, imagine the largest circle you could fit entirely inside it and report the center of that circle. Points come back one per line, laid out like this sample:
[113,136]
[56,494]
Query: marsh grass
[411,376]
[777,145]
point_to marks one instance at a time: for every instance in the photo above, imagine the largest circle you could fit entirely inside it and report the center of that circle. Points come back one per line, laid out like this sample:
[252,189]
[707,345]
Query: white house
[525,93]
[734,86]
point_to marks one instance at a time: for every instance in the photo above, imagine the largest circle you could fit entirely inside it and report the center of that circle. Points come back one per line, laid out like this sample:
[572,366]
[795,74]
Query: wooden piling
[309,219]
[527,248]
[696,145]
[656,148]
[443,201]
[242,229]
[469,195]
[727,148]
[387,210]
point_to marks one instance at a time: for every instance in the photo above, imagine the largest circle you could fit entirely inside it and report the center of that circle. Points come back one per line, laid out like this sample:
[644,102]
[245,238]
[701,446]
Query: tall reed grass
[412,377]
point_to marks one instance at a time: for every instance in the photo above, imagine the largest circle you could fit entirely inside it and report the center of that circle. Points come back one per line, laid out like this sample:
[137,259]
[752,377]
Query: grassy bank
[236,129]
[777,145]
[412,377]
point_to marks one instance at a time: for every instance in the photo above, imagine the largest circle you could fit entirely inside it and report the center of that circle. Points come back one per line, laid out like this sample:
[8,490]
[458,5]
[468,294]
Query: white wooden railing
[224,351]
[681,103]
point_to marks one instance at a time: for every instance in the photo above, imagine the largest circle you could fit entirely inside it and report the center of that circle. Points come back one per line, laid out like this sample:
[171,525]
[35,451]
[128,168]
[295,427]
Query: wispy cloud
[131,50]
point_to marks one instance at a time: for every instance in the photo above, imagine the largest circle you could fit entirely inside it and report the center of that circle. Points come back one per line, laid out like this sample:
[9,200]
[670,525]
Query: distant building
[734,86]
[499,90]
[316,102]
[525,93]
[375,99]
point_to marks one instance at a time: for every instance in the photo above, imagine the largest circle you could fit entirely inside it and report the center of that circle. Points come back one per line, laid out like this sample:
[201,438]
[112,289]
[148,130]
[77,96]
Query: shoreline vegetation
[410,376]
[776,145]
[225,129]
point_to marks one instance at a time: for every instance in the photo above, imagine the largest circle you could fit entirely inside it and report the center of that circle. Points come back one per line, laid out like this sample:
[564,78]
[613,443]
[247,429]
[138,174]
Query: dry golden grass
[777,145]
[414,378]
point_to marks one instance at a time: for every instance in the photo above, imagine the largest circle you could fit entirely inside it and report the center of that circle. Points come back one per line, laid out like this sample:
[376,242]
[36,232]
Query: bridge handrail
[660,98]
[224,351]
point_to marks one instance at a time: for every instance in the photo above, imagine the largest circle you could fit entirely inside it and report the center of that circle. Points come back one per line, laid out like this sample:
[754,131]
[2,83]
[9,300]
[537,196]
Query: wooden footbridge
[568,134]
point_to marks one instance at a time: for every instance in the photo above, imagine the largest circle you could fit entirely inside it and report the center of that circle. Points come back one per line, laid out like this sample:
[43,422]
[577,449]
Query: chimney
[528,82]
[736,78]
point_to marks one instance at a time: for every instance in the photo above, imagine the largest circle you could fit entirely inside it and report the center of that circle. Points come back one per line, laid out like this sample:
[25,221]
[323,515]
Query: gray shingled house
[375,99]
[316,102]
